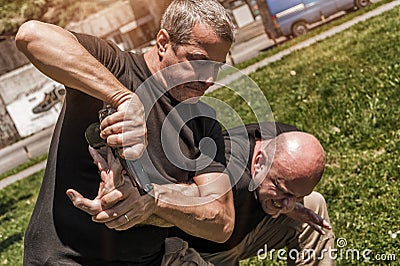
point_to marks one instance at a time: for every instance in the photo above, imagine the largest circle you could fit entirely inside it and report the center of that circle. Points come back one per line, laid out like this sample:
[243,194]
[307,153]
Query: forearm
[187,190]
[208,216]
[157,221]
[58,54]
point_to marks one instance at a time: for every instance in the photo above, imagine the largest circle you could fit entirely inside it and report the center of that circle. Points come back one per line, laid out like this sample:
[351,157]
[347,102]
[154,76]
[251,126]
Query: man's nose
[207,73]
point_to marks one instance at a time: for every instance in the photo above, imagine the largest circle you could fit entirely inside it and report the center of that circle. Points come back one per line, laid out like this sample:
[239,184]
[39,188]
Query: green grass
[315,31]
[16,205]
[345,91]
[23,166]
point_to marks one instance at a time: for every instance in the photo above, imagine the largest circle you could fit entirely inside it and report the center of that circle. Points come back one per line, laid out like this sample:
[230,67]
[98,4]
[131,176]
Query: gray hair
[182,15]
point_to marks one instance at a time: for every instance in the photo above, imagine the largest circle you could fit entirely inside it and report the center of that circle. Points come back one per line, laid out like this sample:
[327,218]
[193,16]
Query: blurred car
[293,17]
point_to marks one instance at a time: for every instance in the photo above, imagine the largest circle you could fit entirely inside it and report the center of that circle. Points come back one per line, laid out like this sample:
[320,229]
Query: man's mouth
[276,204]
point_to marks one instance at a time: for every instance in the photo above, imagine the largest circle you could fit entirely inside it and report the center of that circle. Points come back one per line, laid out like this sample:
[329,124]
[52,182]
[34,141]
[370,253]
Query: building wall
[10,57]
[130,24]
[20,79]
[17,90]
[8,132]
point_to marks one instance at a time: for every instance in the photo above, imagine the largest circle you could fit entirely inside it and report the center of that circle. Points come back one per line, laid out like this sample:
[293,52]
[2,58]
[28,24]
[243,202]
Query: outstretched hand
[111,182]
[305,215]
[118,204]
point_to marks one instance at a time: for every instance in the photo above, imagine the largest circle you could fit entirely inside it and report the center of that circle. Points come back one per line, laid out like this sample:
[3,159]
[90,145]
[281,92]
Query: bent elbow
[226,215]
[27,33]
[226,232]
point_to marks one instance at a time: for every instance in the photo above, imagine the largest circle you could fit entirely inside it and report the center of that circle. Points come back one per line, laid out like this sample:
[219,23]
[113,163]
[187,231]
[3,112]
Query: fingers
[326,225]
[123,121]
[318,220]
[98,159]
[128,133]
[112,198]
[89,206]
[127,139]
[129,212]
[111,181]
[112,177]
[109,127]
[288,204]
[106,202]
[133,152]
[125,221]
[110,202]
[316,228]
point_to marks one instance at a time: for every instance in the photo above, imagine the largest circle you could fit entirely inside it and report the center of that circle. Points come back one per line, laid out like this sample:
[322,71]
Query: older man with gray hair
[274,168]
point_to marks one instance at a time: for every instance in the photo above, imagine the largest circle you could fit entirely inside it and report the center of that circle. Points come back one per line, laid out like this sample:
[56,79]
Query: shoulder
[92,43]
[262,130]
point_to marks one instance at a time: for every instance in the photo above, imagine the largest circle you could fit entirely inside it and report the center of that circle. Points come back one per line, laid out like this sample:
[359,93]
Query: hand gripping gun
[133,168]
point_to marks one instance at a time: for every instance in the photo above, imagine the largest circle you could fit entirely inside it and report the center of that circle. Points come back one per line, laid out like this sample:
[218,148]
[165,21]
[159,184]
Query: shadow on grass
[10,204]
[15,238]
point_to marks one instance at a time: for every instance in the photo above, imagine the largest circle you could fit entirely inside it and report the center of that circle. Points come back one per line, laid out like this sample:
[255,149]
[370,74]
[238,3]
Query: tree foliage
[60,12]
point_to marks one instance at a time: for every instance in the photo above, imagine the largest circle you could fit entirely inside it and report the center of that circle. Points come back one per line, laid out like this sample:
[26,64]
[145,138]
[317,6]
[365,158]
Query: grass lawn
[23,166]
[315,31]
[16,205]
[345,91]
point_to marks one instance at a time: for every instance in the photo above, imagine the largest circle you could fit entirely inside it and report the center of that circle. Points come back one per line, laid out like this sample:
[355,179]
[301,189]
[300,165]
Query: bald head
[300,159]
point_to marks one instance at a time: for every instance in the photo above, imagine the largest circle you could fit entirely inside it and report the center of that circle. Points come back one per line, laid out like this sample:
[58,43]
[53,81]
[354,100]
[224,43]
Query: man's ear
[163,41]
[260,160]
[259,163]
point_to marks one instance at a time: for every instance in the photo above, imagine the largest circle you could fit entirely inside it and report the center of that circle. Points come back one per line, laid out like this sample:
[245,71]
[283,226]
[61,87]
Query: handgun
[133,168]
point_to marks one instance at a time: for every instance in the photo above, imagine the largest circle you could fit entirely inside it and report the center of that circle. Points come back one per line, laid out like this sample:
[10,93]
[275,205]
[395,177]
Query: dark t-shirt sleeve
[106,52]
[218,160]
[237,152]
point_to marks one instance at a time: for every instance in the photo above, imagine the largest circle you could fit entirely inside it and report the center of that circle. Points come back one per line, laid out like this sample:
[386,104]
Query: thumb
[89,206]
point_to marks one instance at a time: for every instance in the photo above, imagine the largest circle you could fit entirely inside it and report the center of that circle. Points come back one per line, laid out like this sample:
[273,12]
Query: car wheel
[362,3]
[299,28]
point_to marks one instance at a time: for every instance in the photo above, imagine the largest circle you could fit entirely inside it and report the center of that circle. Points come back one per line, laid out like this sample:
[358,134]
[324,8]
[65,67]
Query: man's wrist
[120,97]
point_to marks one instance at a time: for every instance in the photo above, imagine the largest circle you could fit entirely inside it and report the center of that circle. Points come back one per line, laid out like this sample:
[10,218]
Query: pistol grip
[137,175]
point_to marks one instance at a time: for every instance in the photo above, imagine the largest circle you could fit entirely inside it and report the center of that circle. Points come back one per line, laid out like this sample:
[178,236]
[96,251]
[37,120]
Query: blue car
[292,17]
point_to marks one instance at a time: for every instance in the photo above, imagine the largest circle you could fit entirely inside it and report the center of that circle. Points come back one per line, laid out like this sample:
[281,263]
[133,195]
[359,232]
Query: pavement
[21,175]
[24,150]
[246,43]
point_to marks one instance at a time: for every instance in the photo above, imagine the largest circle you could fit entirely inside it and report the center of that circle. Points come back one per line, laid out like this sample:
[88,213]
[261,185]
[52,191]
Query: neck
[152,60]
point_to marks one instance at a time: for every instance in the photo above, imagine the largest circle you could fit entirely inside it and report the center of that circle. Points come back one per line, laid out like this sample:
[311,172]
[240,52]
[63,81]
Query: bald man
[275,206]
